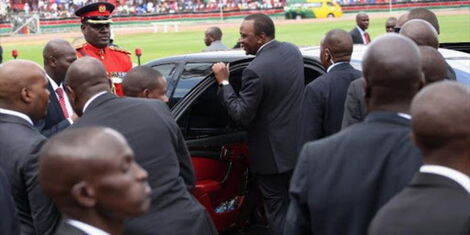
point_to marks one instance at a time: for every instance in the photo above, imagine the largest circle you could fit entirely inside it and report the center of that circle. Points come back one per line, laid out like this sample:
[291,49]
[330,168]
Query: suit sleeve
[53,130]
[353,110]
[298,215]
[313,110]
[242,108]
[45,216]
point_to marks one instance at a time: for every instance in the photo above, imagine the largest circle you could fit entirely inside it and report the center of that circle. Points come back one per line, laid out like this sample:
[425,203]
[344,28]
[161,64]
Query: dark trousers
[275,190]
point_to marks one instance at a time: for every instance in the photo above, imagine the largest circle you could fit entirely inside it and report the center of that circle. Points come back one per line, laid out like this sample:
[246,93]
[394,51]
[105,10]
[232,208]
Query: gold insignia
[102,8]
[120,50]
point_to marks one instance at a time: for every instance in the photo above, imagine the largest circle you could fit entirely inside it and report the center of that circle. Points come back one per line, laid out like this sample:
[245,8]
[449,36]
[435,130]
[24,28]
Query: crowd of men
[351,153]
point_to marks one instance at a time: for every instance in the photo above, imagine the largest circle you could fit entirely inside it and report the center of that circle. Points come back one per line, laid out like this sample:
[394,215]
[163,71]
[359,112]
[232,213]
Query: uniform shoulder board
[80,46]
[119,49]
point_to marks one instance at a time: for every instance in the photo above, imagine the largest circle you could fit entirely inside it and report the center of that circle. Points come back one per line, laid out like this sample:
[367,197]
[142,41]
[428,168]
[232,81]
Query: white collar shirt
[264,45]
[17,114]
[450,173]
[362,33]
[335,64]
[86,227]
[91,100]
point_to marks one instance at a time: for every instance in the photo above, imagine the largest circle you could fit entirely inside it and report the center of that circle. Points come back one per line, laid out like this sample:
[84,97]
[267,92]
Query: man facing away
[145,82]
[359,34]
[323,103]
[158,145]
[268,106]
[58,54]
[341,181]
[23,99]
[91,176]
[213,39]
[437,201]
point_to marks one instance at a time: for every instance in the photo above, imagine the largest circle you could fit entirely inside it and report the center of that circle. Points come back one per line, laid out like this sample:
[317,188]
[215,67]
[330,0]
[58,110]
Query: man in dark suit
[23,98]
[158,145]
[359,34]
[341,181]
[58,54]
[268,105]
[323,103]
[100,184]
[437,201]
[9,223]
[423,34]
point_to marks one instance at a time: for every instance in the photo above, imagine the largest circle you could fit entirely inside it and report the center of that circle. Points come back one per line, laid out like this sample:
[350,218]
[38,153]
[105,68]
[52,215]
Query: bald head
[426,15]
[92,164]
[393,73]
[214,32]
[85,78]
[144,82]
[402,19]
[58,54]
[421,32]
[362,20]
[23,88]
[440,124]
[336,46]
[434,64]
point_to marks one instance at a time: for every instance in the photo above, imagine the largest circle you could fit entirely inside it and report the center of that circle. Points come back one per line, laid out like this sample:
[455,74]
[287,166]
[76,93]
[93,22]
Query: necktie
[366,36]
[60,93]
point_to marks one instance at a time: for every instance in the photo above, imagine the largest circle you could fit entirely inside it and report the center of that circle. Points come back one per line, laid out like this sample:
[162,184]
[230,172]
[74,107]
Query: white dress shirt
[17,114]
[86,227]
[68,106]
[362,34]
[335,64]
[91,100]
[450,173]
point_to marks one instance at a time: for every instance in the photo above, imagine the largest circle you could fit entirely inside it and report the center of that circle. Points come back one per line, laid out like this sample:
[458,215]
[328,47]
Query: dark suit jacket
[355,107]
[341,181]
[356,36]
[160,149]
[9,223]
[68,229]
[268,105]
[431,204]
[54,121]
[323,103]
[19,146]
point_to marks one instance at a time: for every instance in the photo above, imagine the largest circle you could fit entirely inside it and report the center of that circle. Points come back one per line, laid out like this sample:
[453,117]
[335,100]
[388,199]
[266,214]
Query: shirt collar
[91,100]
[259,49]
[360,30]
[450,173]
[86,227]
[52,82]
[333,65]
[17,114]
[404,115]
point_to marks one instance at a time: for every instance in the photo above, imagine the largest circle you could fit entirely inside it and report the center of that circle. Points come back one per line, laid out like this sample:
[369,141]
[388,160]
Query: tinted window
[165,69]
[330,4]
[192,74]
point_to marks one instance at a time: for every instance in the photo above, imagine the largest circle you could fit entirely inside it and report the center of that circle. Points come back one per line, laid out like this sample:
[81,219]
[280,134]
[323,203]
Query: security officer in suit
[95,27]
[359,34]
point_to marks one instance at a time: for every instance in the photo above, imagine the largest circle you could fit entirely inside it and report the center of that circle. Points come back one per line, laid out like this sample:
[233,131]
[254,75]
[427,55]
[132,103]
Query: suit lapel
[54,105]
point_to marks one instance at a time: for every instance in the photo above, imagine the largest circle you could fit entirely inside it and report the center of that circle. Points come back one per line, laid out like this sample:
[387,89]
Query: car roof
[211,56]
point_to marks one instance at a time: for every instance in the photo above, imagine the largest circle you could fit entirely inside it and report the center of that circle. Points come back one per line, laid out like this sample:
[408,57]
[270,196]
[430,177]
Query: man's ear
[84,194]
[146,93]
[26,95]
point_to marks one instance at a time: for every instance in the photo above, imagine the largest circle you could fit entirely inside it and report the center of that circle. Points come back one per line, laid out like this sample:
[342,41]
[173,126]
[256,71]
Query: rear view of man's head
[434,65]
[421,32]
[91,175]
[440,124]
[212,34]
[337,46]
[426,15]
[145,82]
[393,73]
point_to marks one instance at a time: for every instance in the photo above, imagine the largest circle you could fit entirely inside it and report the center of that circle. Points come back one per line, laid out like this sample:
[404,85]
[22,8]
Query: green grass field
[454,28]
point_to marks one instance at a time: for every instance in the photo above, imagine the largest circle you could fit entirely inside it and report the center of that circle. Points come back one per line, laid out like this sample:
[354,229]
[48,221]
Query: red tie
[60,93]
[366,36]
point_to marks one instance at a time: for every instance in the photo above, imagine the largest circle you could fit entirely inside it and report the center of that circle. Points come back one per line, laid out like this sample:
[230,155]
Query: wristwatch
[224,83]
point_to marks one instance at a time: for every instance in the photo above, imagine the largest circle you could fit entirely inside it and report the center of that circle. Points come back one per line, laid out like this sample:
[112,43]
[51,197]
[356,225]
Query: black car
[217,146]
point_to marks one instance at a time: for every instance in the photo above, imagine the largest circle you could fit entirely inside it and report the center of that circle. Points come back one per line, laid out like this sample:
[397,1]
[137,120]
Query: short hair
[214,32]
[138,79]
[263,24]
[425,14]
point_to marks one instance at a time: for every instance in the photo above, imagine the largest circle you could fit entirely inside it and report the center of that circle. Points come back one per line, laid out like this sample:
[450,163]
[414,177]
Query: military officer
[95,27]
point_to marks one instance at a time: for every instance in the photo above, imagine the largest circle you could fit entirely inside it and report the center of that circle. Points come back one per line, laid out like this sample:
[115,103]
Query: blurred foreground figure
[91,176]
[437,201]
[341,181]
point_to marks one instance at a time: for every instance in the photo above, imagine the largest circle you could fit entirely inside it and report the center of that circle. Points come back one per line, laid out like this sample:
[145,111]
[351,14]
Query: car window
[166,70]
[207,117]
[330,4]
[192,74]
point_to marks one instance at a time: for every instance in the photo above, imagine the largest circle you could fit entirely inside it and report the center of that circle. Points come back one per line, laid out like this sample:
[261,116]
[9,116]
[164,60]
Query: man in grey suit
[437,201]
[323,103]
[268,105]
[158,145]
[24,98]
[341,181]
[213,39]
[100,184]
